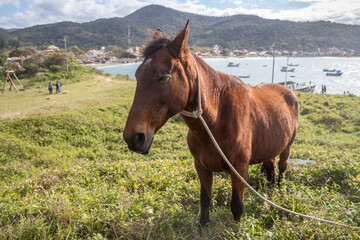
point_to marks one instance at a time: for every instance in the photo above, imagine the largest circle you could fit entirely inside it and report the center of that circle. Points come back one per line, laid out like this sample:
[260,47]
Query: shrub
[329,119]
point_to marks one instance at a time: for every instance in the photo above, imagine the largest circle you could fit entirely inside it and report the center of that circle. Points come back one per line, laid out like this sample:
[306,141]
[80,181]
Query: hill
[238,31]
[3,33]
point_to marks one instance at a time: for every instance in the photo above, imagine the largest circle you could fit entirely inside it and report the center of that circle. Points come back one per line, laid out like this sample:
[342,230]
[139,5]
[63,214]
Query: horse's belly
[269,148]
[212,161]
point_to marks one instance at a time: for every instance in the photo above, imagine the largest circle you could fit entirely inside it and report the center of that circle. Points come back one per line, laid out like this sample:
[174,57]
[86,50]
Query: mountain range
[231,32]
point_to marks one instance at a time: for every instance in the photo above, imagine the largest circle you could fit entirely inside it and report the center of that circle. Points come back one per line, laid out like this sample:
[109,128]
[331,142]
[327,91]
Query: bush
[55,59]
[55,68]
[329,119]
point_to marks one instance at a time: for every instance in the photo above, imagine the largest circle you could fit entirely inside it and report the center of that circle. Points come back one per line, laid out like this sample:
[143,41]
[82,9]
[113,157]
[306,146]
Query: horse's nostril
[139,139]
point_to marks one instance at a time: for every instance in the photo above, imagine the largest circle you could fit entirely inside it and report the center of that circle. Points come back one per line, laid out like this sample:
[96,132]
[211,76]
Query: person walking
[59,85]
[50,87]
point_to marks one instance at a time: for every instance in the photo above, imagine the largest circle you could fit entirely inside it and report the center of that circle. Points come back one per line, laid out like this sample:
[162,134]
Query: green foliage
[56,72]
[117,51]
[2,43]
[14,43]
[76,50]
[70,175]
[2,60]
[40,68]
[54,61]
[22,51]
[225,52]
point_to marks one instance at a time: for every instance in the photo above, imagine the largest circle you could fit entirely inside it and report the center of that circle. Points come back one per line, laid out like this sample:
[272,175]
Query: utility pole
[274,44]
[287,64]
[129,37]
[67,68]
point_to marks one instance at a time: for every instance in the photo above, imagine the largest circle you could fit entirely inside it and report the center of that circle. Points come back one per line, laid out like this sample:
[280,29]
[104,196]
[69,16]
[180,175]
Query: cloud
[15,3]
[341,11]
[50,11]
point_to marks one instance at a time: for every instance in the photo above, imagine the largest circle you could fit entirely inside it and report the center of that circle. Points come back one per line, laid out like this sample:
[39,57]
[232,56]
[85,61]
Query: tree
[225,52]
[22,51]
[14,43]
[2,60]
[2,43]
[55,59]
[117,51]
[76,50]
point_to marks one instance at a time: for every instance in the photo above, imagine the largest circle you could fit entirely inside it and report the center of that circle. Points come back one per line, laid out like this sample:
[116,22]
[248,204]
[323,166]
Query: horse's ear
[178,45]
[158,33]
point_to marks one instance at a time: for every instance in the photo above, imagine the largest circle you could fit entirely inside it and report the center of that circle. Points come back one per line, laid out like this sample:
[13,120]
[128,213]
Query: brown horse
[251,124]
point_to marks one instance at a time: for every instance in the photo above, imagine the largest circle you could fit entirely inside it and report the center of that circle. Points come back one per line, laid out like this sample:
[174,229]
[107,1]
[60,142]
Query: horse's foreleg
[238,187]
[206,180]
[268,167]
[284,156]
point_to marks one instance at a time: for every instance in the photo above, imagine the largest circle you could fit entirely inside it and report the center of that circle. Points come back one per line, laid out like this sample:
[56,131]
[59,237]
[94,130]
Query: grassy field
[66,172]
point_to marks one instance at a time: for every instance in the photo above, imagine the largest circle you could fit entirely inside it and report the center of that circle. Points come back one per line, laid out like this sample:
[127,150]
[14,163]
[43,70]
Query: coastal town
[106,55]
[133,54]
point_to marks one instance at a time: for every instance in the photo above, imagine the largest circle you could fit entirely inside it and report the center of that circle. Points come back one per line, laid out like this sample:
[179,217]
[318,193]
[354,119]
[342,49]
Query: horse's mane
[159,41]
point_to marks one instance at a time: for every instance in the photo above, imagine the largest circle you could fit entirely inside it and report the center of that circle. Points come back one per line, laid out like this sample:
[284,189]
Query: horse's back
[273,93]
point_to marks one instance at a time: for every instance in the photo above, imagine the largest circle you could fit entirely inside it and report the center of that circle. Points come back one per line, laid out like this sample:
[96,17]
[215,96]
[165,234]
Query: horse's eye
[164,78]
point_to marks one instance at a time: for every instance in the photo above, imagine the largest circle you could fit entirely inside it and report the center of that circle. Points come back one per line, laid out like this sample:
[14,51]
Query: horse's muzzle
[139,142]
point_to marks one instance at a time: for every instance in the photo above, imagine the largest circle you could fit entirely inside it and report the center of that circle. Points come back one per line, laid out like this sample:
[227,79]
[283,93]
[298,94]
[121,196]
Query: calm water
[260,70]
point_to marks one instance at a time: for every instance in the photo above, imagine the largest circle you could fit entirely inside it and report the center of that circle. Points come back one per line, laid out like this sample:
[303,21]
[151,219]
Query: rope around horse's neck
[199,111]
[197,114]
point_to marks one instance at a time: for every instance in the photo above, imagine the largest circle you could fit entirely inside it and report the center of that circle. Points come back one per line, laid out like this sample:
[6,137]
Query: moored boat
[329,70]
[336,73]
[231,64]
[286,69]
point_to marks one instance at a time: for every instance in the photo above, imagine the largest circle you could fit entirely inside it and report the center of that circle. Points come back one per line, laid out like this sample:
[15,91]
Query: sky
[26,13]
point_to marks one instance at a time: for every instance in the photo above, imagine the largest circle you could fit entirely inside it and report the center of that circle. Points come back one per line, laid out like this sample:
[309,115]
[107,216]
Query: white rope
[199,111]
[197,114]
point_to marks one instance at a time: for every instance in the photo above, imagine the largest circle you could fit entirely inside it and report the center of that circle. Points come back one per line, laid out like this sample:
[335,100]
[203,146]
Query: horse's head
[162,88]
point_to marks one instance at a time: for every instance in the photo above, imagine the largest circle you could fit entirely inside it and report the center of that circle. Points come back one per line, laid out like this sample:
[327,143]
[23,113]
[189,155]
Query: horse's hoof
[204,223]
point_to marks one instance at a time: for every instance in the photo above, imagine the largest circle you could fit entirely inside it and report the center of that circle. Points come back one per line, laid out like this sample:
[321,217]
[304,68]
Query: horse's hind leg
[284,156]
[206,180]
[268,167]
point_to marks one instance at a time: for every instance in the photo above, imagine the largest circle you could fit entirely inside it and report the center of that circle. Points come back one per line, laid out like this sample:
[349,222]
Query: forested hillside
[238,31]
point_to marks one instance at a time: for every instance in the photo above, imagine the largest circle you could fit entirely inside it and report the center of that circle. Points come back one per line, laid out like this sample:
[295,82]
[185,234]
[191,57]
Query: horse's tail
[293,103]
[296,117]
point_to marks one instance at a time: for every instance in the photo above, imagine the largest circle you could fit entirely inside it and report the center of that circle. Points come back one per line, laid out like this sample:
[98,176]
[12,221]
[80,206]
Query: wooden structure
[304,87]
[10,77]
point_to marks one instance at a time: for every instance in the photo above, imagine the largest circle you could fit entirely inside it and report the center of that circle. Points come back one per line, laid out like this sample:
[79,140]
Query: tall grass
[66,173]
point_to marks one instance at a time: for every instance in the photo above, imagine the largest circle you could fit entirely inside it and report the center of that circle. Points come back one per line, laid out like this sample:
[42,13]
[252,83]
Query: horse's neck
[215,87]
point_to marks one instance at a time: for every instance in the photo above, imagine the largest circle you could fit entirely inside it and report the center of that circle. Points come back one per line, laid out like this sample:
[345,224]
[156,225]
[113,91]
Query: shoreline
[111,64]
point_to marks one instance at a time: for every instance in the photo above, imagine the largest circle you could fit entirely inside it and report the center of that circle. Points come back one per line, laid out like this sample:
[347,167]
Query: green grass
[66,172]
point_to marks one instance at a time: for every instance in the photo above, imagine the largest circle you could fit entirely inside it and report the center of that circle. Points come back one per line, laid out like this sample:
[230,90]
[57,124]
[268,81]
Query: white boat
[286,69]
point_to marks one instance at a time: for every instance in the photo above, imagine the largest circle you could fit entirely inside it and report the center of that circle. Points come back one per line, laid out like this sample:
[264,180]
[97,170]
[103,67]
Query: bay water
[259,70]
